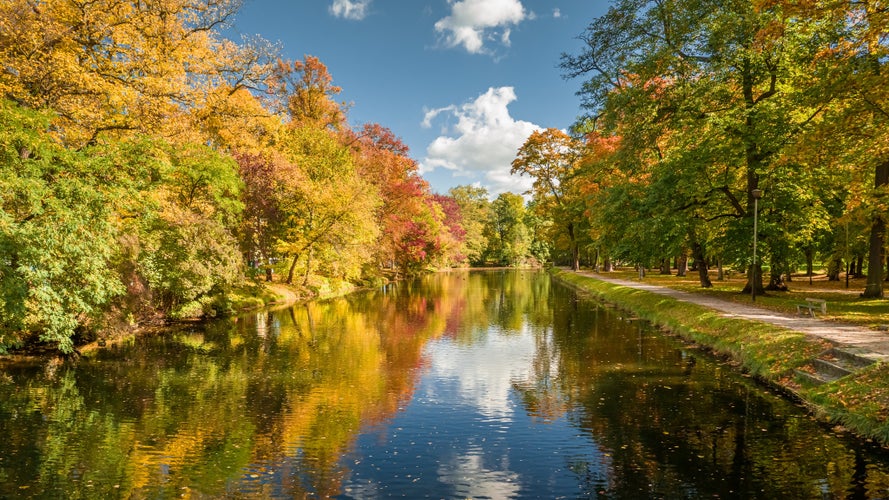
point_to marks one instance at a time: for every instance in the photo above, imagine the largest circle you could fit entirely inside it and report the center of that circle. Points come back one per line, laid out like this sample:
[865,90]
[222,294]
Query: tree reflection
[268,405]
[674,423]
[265,404]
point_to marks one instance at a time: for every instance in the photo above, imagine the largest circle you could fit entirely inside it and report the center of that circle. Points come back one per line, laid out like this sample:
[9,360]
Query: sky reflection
[466,433]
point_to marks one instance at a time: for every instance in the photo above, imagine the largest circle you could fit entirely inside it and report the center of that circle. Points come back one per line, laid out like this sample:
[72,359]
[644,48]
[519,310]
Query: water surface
[464,384]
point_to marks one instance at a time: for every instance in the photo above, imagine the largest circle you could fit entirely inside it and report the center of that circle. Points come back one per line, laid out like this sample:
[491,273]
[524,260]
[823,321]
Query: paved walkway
[866,342]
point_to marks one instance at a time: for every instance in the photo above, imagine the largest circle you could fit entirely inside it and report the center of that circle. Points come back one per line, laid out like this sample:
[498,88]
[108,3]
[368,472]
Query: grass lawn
[843,304]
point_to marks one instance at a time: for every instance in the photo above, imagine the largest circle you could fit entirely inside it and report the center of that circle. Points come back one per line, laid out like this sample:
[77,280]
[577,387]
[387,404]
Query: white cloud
[504,37]
[473,21]
[482,143]
[557,13]
[355,10]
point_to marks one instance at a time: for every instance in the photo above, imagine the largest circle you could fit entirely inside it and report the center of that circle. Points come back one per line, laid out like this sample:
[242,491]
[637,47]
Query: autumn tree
[723,88]
[262,220]
[234,120]
[475,211]
[454,235]
[325,207]
[304,90]
[550,158]
[415,232]
[112,68]
[422,240]
[598,171]
[853,75]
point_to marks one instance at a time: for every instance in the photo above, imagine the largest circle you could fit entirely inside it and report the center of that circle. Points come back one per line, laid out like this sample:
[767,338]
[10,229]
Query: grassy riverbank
[249,296]
[859,402]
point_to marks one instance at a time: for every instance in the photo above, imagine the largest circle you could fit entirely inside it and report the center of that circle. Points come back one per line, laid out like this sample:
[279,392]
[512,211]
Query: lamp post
[756,194]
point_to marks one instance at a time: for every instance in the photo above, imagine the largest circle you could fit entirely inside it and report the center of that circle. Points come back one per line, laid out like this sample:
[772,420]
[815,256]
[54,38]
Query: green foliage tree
[852,76]
[56,235]
[705,97]
[475,212]
[509,241]
[177,223]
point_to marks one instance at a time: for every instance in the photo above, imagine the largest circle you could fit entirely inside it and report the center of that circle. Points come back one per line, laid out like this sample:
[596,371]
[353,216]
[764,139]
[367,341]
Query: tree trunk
[874,288]
[776,282]
[308,268]
[607,265]
[860,265]
[575,251]
[885,274]
[754,277]
[697,253]
[810,261]
[720,274]
[754,158]
[665,266]
[776,276]
[292,270]
[833,269]
[682,265]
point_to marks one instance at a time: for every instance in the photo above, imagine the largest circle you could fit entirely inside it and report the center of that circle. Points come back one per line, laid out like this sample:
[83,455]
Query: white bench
[811,305]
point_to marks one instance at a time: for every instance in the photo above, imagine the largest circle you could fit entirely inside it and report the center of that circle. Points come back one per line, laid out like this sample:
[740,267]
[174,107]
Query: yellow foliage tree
[550,157]
[112,67]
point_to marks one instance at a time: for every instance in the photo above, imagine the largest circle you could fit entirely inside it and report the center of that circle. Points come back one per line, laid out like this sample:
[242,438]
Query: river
[483,384]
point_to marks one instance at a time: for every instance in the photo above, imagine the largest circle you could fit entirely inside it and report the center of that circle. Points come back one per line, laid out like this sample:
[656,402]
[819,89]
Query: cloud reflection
[470,479]
[485,373]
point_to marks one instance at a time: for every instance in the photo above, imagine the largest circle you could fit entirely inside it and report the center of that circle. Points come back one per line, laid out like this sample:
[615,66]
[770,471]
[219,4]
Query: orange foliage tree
[550,157]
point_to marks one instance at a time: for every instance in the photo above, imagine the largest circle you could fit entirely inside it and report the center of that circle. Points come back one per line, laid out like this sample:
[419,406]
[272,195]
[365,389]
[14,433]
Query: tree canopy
[149,164]
[703,104]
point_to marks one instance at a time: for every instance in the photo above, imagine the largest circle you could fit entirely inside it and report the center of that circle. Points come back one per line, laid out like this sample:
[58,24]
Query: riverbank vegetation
[149,166]
[765,351]
[742,143]
[152,169]
[703,121]
[859,402]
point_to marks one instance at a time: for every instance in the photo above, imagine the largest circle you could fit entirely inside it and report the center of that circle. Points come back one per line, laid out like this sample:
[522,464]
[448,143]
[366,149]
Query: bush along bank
[859,402]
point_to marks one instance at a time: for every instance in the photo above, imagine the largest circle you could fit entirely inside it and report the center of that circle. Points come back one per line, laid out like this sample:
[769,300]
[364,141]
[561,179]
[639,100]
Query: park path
[867,343]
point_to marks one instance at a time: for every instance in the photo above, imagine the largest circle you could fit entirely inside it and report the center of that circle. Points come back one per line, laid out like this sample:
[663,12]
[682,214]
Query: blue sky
[462,82]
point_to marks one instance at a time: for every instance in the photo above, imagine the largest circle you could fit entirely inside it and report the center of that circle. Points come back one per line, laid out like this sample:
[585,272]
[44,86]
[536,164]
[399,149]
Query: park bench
[811,305]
